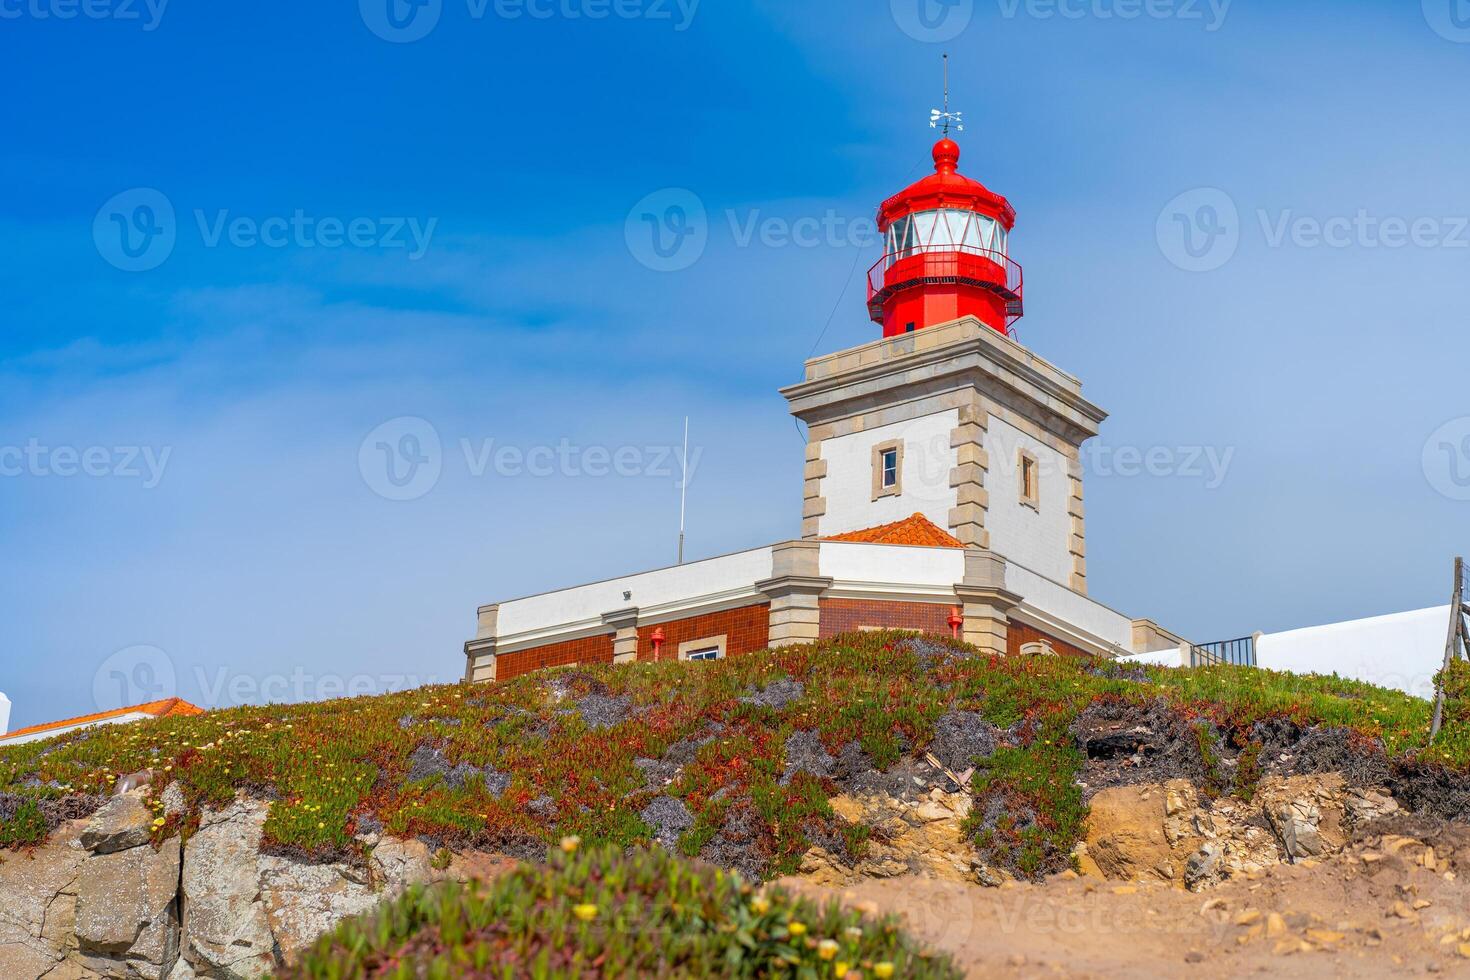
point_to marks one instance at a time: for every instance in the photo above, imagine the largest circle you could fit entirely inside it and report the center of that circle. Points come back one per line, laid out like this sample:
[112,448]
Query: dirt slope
[1373,911]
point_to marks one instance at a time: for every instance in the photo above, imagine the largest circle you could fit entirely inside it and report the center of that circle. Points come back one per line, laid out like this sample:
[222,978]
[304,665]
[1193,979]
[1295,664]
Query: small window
[1030,480]
[909,327]
[888,470]
[704,648]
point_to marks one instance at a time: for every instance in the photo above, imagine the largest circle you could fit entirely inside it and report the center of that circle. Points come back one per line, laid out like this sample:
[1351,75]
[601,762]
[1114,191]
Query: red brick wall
[588,650]
[1020,634]
[846,615]
[747,628]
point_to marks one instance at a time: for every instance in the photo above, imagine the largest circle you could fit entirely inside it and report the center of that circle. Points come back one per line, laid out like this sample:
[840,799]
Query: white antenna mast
[936,116]
[683,488]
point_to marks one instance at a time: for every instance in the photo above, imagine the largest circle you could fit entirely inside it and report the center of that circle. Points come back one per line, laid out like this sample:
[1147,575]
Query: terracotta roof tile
[167,708]
[915,530]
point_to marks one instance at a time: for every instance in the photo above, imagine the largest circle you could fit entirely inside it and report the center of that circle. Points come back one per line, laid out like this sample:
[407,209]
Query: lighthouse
[948,417]
[942,485]
[946,253]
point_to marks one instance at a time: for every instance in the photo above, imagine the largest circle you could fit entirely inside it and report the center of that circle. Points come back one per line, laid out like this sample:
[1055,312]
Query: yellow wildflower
[570,844]
[827,949]
[759,905]
[586,912]
[796,928]
[883,970]
[839,970]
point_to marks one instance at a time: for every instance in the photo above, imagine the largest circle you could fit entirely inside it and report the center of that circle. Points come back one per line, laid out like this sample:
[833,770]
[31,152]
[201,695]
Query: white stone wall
[1038,538]
[891,571]
[726,580]
[927,460]
[4,714]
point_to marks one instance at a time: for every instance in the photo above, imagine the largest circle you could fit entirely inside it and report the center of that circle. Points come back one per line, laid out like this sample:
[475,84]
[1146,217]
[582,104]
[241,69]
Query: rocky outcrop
[1167,832]
[127,917]
[101,900]
[38,901]
[226,932]
[922,836]
[1160,832]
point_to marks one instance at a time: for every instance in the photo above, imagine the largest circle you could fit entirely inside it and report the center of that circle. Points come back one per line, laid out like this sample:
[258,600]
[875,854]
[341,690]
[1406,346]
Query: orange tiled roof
[167,708]
[915,530]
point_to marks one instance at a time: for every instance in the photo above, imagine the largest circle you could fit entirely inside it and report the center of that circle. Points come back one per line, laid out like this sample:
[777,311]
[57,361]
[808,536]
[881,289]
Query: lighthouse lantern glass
[946,230]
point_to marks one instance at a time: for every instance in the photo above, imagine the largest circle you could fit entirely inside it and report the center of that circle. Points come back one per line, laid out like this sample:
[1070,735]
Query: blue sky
[229,546]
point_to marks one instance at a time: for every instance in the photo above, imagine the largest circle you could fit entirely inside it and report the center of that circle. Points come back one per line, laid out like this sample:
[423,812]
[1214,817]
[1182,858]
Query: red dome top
[946,188]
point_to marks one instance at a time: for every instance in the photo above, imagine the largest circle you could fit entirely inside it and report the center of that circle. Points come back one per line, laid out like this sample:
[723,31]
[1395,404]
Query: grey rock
[304,901]
[397,864]
[121,824]
[1203,866]
[126,914]
[173,800]
[226,933]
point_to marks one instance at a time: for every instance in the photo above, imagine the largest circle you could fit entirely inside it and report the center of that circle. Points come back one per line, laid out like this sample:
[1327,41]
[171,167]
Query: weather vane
[936,116]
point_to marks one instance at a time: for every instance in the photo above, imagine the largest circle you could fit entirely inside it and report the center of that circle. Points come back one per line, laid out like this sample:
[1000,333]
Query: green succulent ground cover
[603,914]
[523,766]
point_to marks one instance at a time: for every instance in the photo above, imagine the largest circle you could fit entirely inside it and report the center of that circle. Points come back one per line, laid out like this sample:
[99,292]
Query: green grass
[602,914]
[330,766]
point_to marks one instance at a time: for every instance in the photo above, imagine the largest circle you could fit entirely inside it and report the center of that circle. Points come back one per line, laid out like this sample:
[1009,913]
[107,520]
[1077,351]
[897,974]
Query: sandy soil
[1374,911]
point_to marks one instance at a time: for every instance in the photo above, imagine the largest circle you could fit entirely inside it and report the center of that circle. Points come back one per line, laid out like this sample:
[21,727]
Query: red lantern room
[945,253]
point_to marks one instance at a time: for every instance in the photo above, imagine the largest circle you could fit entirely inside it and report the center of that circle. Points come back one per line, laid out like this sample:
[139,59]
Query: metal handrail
[1224,653]
[1013,274]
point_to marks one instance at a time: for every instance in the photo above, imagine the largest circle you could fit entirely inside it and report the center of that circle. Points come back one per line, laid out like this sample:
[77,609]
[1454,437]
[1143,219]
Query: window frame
[719,644]
[1028,479]
[880,453]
